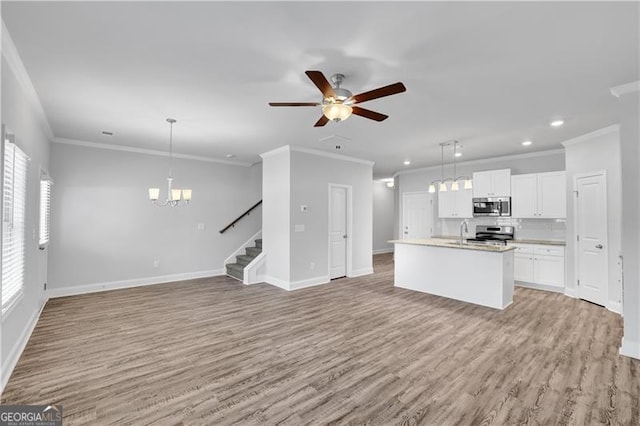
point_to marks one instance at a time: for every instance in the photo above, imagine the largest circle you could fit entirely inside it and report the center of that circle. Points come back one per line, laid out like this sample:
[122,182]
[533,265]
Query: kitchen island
[480,274]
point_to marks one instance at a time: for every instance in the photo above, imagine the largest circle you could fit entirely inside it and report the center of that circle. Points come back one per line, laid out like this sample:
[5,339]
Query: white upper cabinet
[539,195]
[455,204]
[492,183]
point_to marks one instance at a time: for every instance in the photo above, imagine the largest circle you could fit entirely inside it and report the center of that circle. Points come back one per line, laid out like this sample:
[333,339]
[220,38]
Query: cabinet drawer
[548,250]
[522,248]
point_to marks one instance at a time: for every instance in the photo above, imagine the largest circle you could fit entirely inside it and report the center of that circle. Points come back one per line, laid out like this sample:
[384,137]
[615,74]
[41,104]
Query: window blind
[14,184]
[45,211]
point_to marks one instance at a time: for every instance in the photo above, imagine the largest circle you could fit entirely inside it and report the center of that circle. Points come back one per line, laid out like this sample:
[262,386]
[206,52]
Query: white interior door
[591,215]
[416,212]
[338,232]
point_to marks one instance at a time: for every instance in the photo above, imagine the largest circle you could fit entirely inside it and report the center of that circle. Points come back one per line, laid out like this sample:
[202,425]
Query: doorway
[416,215]
[339,230]
[592,251]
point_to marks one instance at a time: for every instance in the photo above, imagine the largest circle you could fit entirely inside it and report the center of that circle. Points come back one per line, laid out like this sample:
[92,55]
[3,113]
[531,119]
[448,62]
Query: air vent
[107,133]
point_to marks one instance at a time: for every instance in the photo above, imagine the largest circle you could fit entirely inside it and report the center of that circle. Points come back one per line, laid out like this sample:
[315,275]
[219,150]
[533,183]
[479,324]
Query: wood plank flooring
[355,351]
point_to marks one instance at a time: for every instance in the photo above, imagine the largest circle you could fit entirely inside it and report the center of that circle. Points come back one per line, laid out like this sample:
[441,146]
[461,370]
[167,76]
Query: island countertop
[452,244]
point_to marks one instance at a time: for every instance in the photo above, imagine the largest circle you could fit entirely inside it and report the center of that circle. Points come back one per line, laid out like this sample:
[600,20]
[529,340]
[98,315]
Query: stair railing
[232,224]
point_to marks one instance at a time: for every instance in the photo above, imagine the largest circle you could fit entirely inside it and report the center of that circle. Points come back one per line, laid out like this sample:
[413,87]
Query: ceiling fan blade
[367,113]
[323,120]
[281,104]
[321,83]
[380,92]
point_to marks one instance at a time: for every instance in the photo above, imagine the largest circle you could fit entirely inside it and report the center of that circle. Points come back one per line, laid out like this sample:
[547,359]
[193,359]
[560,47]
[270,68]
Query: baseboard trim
[382,251]
[534,286]
[139,282]
[360,272]
[14,356]
[571,292]
[615,307]
[297,285]
[630,348]
[276,282]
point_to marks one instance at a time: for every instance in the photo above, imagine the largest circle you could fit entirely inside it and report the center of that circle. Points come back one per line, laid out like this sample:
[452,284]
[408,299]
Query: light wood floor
[355,351]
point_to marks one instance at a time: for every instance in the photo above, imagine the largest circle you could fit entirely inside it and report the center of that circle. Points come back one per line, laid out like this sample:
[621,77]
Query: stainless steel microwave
[492,206]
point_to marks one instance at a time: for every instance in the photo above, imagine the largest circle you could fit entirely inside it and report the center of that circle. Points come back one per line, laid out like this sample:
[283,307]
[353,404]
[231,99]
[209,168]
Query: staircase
[236,270]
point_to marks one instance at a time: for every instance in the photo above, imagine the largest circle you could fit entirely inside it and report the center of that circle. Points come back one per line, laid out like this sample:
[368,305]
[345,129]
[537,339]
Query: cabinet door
[447,204]
[464,203]
[552,195]
[549,270]
[501,183]
[524,196]
[482,184]
[523,267]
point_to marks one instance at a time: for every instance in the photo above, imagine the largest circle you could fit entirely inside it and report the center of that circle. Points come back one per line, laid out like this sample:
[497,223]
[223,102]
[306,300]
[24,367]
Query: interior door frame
[430,208]
[576,229]
[349,226]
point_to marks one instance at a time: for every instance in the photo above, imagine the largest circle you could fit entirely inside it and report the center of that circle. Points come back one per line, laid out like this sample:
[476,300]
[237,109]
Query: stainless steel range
[492,235]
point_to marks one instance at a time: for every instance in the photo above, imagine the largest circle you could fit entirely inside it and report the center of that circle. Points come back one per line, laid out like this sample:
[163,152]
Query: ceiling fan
[338,103]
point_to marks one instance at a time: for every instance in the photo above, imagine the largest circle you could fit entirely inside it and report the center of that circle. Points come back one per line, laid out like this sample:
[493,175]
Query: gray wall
[310,178]
[600,152]
[383,216]
[105,230]
[20,118]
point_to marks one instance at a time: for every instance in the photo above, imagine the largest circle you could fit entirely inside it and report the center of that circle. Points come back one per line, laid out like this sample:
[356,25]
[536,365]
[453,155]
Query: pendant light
[442,183]
[174,196]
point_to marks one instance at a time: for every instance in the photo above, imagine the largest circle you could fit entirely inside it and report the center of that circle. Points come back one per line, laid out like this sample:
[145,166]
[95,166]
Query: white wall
[630,154]
[105,231]
[599,150]
[21,117]
[418,180]
[294,177]
[383,217]
[276,212]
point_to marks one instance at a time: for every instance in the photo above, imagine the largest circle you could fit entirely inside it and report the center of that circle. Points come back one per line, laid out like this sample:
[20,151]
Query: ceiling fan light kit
[338,103]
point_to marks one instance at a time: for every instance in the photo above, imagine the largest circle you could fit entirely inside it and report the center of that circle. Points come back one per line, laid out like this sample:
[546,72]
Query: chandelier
[442,183]
[174,196]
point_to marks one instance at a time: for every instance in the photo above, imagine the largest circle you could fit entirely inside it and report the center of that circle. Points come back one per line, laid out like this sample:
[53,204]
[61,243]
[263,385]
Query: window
[45,211]
[14,183]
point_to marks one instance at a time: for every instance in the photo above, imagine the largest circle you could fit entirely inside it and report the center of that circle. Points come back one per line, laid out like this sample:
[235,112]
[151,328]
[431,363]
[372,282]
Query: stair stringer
[254,271]
[240,250]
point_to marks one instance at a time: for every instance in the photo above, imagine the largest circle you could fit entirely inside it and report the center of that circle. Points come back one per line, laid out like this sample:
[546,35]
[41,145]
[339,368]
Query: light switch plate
[298,228]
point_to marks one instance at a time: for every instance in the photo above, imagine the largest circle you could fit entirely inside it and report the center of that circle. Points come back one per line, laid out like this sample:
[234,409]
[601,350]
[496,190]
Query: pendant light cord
[171,149]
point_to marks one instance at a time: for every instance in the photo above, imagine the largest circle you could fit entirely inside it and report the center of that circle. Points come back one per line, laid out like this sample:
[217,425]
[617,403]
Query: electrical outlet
[201,227]
[156,263]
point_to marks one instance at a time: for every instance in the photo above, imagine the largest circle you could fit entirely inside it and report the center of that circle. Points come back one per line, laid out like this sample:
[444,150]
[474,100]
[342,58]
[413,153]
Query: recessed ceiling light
[231,156]
[526,143]
[407,162]
[557,123]
[458,154]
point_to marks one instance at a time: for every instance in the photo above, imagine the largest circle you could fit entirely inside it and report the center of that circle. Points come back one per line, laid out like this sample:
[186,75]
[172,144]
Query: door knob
[599,246]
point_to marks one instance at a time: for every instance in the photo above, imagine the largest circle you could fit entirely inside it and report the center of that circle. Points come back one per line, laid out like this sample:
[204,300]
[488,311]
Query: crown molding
[125,148]
[485,160]
[289,148]
[10,53]
[596,133]
[625,89]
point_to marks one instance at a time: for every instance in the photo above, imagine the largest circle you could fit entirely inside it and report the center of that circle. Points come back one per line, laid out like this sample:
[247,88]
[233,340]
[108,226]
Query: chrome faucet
[465,226]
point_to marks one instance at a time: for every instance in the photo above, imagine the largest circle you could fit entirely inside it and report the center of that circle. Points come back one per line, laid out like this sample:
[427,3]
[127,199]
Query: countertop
[440,242]
[517,241]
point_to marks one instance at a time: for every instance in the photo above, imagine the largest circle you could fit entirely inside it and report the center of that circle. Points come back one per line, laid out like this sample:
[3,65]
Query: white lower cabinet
[539,264]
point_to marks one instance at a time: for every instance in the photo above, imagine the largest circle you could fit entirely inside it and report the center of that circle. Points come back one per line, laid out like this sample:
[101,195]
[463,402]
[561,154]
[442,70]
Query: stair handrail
[232,224]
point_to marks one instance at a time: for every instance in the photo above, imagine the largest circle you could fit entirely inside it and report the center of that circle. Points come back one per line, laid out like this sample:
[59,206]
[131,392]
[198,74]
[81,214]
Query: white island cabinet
[471,273]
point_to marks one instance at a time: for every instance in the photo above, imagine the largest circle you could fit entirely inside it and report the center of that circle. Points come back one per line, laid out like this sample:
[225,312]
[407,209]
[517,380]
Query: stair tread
[235,267]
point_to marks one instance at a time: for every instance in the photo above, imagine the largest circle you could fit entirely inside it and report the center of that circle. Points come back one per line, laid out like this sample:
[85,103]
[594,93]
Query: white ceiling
[487,74]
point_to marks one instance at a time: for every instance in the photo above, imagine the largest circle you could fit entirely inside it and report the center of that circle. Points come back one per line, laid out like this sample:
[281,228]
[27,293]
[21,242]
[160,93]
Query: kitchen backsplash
[525,229]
